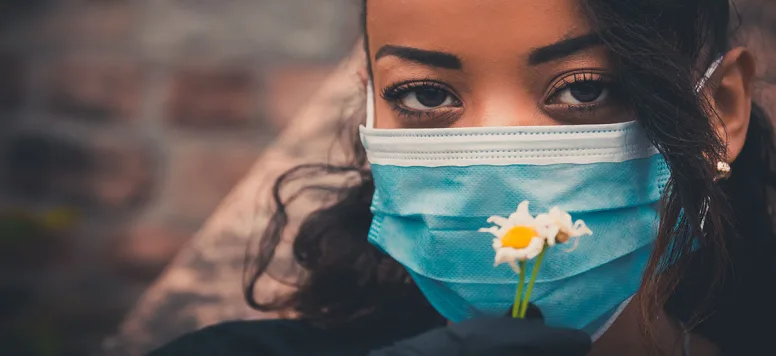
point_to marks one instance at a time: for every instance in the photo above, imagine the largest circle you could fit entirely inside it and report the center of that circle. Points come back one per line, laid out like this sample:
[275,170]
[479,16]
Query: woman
[629,114]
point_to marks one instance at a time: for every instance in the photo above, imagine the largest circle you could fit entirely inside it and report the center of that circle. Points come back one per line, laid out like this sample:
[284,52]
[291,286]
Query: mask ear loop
[709,72]
[698,87]
[370,105]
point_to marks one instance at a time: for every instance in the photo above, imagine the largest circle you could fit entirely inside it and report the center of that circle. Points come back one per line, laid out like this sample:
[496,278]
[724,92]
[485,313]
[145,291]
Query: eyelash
[395,92]
[442,116]
[581,78]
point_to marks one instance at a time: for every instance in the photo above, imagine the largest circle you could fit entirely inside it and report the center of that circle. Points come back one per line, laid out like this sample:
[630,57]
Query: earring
[723,170]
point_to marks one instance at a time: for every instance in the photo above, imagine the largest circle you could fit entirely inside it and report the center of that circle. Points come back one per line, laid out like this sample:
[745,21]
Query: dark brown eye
[586,92]
[423,103]
[586,98]
[426,99]
[431,97]
[582,89]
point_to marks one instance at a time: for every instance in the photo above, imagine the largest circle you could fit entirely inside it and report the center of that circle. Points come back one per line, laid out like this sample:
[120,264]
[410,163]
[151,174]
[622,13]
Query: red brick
[202,176]
[96,88]
[123,173]
[290,87]
[143,250]
[213,97]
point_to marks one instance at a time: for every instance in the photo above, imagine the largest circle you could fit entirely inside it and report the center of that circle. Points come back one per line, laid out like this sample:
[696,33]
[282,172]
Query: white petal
[523,207]
[500,258]
[544,226]
[522,216]
[562,218]
[498,220]
[497,244]
[534,248]
[580,229]
[551,234]
[505,255]
[556,213]
[575,245]
[493,230]
[543,220]
[514,266]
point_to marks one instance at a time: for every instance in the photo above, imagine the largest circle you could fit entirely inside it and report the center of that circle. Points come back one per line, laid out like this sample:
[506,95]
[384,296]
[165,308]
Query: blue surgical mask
[435,188]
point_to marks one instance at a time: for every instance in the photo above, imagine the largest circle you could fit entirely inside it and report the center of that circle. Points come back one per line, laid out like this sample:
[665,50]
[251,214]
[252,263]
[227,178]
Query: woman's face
[464,63]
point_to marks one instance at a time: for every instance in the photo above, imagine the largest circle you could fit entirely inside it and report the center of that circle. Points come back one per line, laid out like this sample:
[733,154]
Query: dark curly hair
[659,48]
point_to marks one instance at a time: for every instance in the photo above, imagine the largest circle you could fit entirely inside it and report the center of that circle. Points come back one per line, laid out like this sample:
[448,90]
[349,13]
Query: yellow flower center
[518,237]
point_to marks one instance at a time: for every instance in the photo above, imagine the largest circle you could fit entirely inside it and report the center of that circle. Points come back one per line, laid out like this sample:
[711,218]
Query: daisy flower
[517,237]
[557,226]
[521,237]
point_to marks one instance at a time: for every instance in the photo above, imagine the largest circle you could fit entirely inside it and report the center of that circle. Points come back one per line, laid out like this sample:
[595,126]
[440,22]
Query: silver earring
[723,170]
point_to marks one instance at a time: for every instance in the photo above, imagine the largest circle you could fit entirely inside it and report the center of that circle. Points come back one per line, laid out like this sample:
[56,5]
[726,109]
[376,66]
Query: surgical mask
[435,188]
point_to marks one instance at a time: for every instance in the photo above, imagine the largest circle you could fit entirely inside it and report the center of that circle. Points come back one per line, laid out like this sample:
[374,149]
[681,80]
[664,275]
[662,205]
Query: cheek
[385,117]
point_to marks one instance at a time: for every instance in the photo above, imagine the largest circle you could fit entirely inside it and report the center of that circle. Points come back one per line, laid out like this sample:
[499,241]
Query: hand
[494,336]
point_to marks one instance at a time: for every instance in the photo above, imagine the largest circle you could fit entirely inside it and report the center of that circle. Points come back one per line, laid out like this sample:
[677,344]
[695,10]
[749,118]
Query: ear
[732,99]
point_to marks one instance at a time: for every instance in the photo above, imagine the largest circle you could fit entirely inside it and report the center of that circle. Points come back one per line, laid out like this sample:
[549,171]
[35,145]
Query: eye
[583,93]
[586,98]
[421,96]
[426,99]
[581,90]
[423,104]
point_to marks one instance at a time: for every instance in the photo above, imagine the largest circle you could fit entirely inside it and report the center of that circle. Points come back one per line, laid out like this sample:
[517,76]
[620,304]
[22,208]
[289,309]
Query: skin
[731,96]
[496,85]
[463,63]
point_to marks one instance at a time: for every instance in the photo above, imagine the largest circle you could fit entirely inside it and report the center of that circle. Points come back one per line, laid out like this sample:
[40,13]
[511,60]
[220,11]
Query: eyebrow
[425,57]
[562,49]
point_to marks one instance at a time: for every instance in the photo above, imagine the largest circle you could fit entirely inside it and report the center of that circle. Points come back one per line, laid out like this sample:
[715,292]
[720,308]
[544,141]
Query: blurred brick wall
[135,117]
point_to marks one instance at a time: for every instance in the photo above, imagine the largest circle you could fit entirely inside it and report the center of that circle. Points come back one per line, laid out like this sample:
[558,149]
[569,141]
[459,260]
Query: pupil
[585,92]
[431,97]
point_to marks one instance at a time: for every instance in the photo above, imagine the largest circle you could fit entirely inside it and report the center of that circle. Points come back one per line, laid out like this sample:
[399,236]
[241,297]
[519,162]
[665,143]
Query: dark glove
[494,337]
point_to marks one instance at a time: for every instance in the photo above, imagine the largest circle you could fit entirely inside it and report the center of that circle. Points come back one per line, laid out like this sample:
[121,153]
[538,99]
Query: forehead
[480,28]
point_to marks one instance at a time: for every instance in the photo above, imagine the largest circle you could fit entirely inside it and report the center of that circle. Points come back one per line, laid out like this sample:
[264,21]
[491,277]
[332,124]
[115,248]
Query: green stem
[524,306]
[516,305]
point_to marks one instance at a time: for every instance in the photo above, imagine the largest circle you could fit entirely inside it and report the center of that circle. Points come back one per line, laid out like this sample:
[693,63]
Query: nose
[503,107]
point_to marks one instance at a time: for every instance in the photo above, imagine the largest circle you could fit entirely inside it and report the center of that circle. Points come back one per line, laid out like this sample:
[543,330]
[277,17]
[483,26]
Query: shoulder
[237,338]
[285,337]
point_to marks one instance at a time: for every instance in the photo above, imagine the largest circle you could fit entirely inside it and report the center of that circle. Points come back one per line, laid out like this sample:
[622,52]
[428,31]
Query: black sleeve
[493,337]
[223,339]
[282,338]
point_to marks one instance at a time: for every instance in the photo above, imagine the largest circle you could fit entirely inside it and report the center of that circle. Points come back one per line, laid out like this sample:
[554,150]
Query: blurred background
[123,123]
